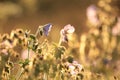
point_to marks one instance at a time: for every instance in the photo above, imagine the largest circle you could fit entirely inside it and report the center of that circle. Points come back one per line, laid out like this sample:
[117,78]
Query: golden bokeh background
[29,14]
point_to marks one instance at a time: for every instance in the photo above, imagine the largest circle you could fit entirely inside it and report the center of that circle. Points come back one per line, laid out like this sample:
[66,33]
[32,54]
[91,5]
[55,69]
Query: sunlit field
[60,51]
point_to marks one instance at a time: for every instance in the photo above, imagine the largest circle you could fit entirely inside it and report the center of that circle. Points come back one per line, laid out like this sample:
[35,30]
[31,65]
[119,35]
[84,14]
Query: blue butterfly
[47,28]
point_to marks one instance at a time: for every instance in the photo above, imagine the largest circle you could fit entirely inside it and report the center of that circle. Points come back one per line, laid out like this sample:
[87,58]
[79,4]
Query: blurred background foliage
[29,14]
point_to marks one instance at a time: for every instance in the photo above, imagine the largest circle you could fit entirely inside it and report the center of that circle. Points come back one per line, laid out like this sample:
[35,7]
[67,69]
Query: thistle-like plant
[35,59]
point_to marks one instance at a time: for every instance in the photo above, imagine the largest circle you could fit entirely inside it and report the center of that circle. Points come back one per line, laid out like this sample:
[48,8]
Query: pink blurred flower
[116,28]
[78,65]
[75,67]
[92,14]
[68,29]
[4,51]
[71,67]
[6,46]
[24,54]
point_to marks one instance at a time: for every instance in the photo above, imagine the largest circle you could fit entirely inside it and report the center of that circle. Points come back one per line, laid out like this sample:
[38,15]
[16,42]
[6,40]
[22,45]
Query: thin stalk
[45,76]
[37,32]
[59,76]
[60,41]
[28,50]
[28,53]
[19,74]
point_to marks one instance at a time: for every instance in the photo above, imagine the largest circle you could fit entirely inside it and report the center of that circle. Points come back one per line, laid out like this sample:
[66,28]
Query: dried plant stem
[59,76]
[20,71]
[37,32]
[45,76]
[60,41]
[28,53]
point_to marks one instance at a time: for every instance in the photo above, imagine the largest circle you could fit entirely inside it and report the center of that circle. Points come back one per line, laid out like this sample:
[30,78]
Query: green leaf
[59,51]
[27,33]
[80,76]
[39,51]
[37,70]
[41,33]
[32,36]
[70,59]
[12,77]
[62,49]
[46,67]
[24,63]
[35,46]
[20,62]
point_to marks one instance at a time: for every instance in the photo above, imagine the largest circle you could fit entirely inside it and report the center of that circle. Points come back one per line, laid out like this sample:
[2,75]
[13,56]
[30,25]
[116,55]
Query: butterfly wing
[47,28]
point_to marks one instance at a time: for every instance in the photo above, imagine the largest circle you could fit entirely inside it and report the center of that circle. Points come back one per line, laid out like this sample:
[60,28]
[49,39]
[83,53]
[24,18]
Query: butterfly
[47,29]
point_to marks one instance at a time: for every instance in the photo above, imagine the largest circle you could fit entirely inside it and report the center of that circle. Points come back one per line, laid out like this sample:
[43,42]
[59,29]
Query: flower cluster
[74,68]
[68,29]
